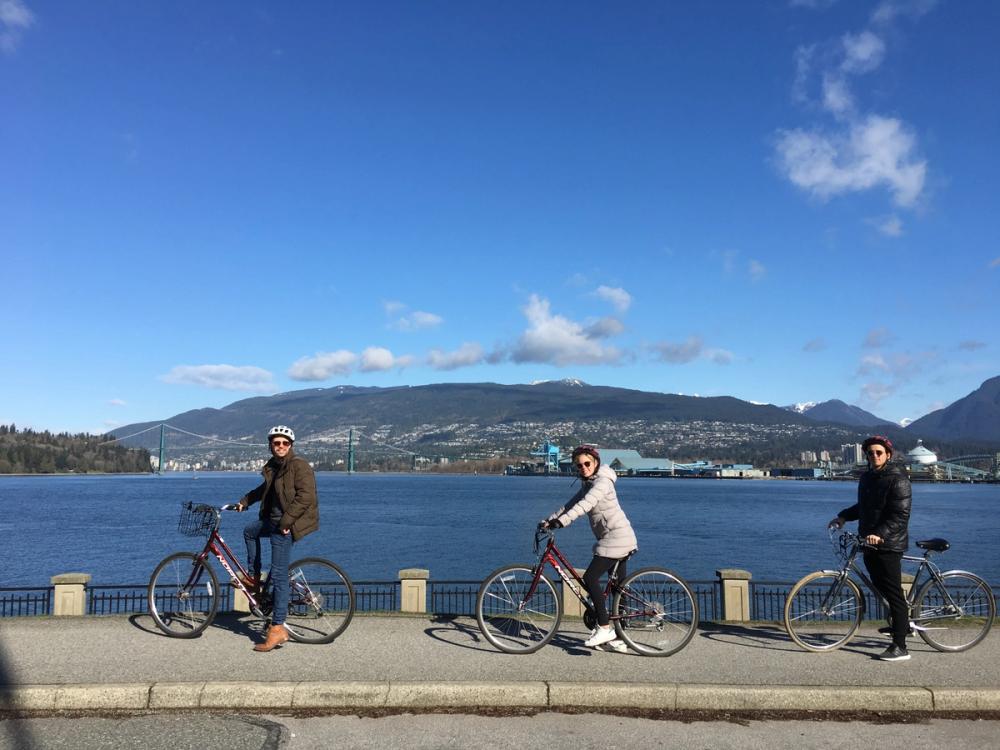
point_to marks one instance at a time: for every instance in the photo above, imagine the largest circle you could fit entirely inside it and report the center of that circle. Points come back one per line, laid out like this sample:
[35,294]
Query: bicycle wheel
[320,601]
[822,612]
[183,595]
[509,621]
[955,614]
[656,612]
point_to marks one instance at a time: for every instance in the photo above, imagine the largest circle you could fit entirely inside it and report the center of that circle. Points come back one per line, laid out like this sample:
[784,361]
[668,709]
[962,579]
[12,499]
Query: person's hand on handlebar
[836,523]
[873,539]
[550,524]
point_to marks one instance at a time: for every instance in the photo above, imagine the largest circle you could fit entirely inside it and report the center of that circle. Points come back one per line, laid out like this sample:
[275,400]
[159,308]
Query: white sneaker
[617,645]
[599,636]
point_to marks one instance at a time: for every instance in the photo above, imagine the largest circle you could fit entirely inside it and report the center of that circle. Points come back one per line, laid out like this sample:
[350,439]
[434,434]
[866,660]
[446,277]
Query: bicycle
[653,611]
[950,611]
[184,592]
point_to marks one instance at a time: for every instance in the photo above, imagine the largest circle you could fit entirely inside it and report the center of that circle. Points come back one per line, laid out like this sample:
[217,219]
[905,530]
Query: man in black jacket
[883,516]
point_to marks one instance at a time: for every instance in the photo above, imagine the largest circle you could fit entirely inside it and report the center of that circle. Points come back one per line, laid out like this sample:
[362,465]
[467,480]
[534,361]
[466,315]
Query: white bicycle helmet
[280,429]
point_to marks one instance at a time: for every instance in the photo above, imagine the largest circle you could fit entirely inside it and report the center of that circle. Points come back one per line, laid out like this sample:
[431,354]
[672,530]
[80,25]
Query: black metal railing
[26,601]
[767,599]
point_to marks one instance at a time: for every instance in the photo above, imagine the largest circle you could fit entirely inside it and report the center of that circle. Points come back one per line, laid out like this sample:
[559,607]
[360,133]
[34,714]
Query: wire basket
[196,520]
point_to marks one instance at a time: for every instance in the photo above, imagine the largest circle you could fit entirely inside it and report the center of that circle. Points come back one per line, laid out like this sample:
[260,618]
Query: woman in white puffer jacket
[615,537]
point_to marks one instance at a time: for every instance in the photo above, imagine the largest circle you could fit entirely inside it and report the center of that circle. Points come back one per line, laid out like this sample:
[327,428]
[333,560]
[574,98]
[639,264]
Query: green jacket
[295,487]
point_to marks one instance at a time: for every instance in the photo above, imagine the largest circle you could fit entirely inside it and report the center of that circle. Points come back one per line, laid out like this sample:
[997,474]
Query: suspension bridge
[337,447]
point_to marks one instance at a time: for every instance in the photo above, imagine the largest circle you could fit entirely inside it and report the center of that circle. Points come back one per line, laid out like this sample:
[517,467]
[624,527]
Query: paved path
[125,663]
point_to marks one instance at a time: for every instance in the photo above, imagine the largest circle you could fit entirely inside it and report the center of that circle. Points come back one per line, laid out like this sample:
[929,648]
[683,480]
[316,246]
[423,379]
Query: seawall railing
[732,597]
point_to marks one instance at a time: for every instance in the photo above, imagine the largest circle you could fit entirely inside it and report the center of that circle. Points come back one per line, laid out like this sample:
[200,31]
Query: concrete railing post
[70,595]
[413,589]
[735,594]
[572,606]
[240,601]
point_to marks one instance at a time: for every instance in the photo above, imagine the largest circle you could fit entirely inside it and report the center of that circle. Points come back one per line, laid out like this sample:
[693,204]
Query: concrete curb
[159,696]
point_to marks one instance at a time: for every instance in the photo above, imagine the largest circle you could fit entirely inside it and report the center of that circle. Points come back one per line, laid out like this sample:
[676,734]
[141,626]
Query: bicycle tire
[183,595]
[655,611]
[815,623]
[321,601]
[506,623]
[939,625]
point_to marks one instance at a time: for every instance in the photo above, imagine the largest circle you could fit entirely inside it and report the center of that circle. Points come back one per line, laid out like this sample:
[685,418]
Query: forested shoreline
[31,452]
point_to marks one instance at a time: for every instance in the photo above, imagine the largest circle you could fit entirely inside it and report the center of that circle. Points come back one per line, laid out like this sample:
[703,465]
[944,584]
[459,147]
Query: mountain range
[836,410]
[480,418]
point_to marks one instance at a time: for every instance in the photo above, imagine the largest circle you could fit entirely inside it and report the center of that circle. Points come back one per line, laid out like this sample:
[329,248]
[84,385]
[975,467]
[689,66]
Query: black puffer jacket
[883,507]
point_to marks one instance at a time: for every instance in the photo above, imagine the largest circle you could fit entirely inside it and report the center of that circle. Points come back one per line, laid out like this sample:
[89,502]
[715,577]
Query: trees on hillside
[31,452]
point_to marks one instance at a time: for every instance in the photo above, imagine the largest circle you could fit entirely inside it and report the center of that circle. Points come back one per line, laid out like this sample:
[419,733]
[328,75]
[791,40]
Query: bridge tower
[350,451]
[163,449]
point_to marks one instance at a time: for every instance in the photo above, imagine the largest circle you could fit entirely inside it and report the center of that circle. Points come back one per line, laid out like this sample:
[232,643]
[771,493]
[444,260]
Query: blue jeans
[281,550]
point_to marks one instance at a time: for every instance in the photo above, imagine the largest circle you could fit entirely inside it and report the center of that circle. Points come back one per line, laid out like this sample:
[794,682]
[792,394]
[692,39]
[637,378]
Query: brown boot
[276,635]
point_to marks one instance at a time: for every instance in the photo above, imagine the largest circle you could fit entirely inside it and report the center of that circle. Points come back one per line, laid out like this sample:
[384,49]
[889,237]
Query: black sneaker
[894,653]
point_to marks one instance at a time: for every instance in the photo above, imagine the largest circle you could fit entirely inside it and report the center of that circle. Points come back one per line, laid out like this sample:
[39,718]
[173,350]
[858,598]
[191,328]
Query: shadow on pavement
[455,624]
[18,731]
[240,624]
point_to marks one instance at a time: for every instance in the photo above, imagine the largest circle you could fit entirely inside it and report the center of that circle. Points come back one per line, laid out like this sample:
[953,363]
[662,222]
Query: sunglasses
[582,464]
[280,443]
[875,452]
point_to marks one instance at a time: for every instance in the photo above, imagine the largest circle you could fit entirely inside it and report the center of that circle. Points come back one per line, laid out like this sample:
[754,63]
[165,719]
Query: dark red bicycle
[519,609]
[184,591]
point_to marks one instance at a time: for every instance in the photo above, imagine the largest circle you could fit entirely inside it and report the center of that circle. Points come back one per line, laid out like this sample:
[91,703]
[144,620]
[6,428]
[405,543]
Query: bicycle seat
[934,545]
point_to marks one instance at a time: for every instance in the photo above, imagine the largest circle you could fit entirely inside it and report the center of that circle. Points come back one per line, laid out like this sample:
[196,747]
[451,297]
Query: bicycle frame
[925,565]
[217,546]
[551,555]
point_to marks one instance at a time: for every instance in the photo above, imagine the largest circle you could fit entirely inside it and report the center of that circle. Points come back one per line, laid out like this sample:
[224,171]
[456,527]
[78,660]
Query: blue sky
[781,201]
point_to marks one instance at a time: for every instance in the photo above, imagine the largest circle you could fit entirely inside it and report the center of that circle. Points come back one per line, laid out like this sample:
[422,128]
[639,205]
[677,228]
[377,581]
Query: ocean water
[461,527]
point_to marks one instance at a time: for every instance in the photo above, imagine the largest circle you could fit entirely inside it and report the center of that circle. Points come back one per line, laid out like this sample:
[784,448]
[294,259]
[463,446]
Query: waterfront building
[921,456]
[852,454]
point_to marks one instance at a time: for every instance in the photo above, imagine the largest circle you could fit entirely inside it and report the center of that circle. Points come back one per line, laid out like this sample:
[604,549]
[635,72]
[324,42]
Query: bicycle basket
[196,520]
[843,545]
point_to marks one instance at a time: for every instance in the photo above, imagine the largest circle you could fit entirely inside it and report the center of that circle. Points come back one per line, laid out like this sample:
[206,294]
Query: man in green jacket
[289,510]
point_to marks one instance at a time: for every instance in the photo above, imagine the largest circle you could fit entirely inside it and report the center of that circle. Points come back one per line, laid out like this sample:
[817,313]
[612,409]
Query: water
[461,527]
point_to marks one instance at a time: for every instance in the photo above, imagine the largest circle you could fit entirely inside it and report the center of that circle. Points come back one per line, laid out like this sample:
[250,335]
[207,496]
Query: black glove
[555,523]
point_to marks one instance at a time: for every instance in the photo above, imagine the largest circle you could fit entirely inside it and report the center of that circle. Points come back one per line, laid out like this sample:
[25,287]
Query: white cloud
[970,345]
[416,321]
[467,355]
[888,10]
[616,296]
[116,402]
[890,226]
[877,337]
[557,340]
[877,151]
[604,328]
[690,350]
[15,18]
[225,377]
[874,393]
[837,97]
[871,363]
[814,345]
[756,270]
[678,354]
[380,359]
[323,365]
[863,52]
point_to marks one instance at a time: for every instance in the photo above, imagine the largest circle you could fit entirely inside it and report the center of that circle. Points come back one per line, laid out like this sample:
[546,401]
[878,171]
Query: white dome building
[920,456]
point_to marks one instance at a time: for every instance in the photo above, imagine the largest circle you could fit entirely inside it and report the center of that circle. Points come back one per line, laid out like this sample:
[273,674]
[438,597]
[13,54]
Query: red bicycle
[184,592]
[519,609]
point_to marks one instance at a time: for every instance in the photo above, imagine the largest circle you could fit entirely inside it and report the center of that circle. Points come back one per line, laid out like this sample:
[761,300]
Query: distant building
[824,456]
[807,457]
[852,454]
[920,456]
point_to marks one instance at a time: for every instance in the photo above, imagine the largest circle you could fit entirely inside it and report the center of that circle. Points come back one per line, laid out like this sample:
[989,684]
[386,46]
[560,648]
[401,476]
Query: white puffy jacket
[598,499]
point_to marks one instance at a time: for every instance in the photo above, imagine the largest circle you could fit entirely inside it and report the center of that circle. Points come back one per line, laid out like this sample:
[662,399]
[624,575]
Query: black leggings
[592,580]
[885,570]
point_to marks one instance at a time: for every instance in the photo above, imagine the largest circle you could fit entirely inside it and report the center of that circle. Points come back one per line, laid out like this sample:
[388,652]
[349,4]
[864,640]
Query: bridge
[194,451]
